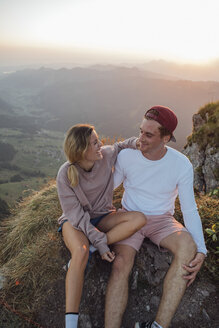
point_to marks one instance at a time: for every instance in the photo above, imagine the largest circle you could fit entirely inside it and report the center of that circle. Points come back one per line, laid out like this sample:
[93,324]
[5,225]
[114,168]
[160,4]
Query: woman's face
[93,152]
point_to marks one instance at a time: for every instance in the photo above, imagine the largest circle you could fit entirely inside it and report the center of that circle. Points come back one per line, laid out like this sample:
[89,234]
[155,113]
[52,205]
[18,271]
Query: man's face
[149,137]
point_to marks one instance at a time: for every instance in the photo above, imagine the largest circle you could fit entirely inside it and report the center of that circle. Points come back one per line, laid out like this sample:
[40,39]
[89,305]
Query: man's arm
[192,223]
[189,209]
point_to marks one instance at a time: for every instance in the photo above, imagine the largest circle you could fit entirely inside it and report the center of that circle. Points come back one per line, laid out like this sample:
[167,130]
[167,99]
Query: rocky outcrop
[211,168]
[197,157]
[145,291]
[33,254]
[197,309]
[202,148]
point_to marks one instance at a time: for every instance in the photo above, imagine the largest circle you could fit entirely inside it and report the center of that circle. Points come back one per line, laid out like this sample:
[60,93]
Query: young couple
[152,176]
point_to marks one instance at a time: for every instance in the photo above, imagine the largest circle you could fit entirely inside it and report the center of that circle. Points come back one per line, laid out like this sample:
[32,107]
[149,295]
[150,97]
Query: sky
[124,30]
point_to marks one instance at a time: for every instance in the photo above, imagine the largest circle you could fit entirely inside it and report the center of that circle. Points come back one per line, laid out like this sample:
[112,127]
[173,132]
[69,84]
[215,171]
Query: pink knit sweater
[93,195]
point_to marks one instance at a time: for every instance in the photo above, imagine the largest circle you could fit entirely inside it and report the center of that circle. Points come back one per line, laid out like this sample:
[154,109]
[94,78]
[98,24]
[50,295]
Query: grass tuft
[30,250]
[208,133]
[209,213]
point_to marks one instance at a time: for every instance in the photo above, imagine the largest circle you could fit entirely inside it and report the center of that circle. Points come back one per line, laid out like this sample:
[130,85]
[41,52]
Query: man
[152,177]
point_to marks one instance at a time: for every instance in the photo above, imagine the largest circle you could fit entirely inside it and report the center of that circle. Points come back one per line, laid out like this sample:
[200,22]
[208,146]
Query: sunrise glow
[177,30]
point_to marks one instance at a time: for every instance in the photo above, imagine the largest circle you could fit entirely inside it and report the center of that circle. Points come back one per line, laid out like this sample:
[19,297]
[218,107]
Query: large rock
[198,121]
[206,166]
[197,309]
[211,168]
[202,148]
[145,292]
[197,157]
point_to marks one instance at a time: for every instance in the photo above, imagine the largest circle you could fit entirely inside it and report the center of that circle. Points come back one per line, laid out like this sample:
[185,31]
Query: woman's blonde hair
[75,145]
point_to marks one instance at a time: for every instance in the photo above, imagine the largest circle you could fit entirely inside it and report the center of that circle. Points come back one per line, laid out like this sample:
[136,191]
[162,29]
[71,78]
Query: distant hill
[5,107]
[27,159]
[114,99]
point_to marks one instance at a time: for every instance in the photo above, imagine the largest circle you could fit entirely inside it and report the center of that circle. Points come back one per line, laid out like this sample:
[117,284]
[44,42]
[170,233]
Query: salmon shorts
[156,229]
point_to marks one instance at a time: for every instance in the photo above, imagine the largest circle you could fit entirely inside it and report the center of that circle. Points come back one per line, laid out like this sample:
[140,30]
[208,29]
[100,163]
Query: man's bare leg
[183,248]
[117,289]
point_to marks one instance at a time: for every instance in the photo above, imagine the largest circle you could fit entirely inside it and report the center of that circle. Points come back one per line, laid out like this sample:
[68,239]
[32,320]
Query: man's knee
[185,246]
[122,266]
[120,269]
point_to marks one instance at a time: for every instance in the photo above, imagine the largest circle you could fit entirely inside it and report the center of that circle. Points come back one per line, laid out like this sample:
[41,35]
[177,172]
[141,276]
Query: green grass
[7,174]
[209,213]
[208,109]
[13,191]
[39,152]
[8,319]
[30,250]
[5,133]
[208,133]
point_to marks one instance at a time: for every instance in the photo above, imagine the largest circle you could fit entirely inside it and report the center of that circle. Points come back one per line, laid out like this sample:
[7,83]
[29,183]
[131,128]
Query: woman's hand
[108,256]
[138,143]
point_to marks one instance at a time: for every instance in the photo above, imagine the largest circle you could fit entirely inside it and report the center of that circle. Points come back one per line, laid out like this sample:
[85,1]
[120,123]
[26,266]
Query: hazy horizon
[52,57]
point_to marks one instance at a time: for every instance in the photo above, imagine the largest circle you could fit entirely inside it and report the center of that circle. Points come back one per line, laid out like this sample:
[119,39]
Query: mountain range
[114,99]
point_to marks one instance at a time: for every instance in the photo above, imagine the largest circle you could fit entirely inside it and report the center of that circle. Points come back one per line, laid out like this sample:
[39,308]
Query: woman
[85,190]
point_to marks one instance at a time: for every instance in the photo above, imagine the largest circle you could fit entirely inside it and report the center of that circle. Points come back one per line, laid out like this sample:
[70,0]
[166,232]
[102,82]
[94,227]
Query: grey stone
[2,280]
[84,321]
[197,121]
[197,158]
[155,300]
[134,280]
[205,315]
[205,293]
[205,162]
[210,167]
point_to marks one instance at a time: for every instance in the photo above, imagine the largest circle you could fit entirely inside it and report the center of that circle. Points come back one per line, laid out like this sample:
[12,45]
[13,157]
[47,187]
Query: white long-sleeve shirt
[151,187]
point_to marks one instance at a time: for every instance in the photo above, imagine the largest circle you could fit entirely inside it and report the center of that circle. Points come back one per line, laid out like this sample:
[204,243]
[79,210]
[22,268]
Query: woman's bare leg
[121,225]
[78,245]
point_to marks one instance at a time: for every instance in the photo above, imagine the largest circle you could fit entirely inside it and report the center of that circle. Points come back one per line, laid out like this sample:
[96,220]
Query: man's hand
[108,256]
[193,268]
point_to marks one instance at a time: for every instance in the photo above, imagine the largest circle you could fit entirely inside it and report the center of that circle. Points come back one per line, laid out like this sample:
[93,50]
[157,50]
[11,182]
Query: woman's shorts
[94,221]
